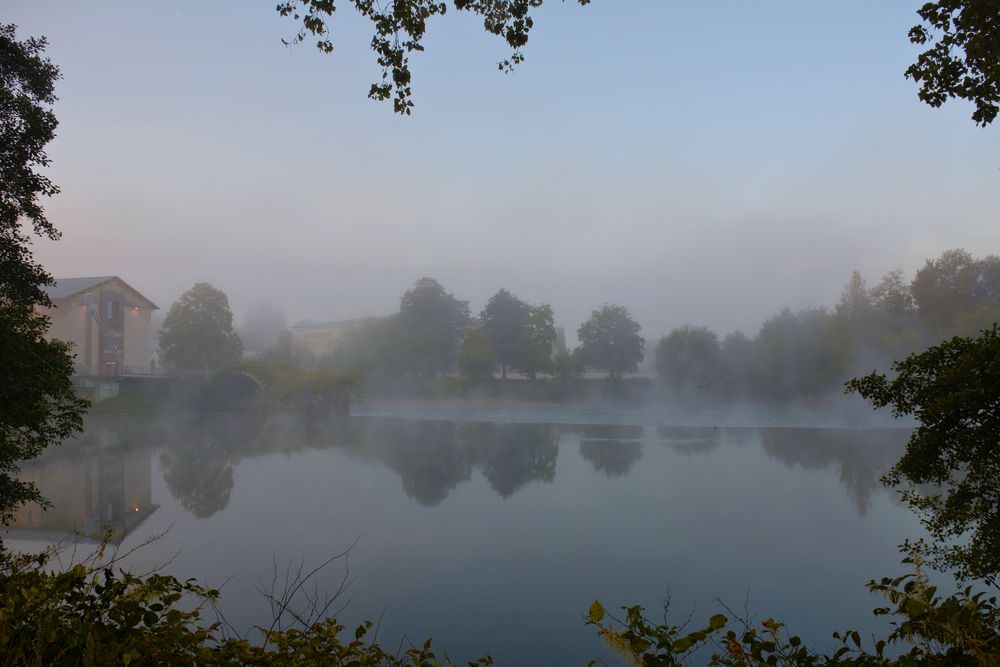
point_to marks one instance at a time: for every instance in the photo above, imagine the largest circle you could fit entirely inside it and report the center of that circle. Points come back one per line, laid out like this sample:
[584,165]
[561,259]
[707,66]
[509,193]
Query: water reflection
[199,462]
[690,439]
[511,456]
[109,486]
[531,517]
[860,457]
[92,494]
[432,458]
[612,450]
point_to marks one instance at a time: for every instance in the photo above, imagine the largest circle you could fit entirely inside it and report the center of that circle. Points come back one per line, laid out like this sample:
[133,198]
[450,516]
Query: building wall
[130,324]
[138,337]
[68,323]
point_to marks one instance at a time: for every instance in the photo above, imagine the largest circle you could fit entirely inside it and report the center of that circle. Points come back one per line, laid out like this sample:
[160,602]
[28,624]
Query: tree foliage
[198,331]
[38,405]
[399,27]
[504,319]
[963,58]
[958,630]
[476,360]
[538,337]
[953,389]
[94,614]
[433,324]
[814,351]
[610,340]
[690,357]
[952,283]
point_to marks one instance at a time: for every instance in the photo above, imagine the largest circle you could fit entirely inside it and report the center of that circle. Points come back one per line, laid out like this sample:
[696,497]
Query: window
[112,310]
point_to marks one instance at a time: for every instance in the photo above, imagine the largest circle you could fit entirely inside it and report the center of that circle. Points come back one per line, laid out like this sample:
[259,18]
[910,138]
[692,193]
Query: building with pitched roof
[107,321]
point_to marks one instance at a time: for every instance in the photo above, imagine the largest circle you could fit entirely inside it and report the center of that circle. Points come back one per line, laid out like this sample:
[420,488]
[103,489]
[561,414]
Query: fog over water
[193,146]
[493,536]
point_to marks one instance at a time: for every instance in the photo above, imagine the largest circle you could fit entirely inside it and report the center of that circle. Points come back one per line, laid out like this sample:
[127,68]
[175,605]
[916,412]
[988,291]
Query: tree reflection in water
[611,449]
[432,458]
[199,463]
[512,455]
[199,455]
[861,456]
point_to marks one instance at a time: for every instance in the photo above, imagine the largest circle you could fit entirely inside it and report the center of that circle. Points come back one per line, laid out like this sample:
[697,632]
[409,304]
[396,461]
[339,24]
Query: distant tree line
[813,351]
[434,333]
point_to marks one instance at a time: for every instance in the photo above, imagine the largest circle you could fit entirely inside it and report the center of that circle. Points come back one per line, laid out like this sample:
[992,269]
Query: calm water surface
[495,536]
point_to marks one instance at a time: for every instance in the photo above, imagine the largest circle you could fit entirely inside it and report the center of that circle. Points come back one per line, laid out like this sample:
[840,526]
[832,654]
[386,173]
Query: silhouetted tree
[963,55]
[504,319]
[945,286]
[953,389]
[960,62]
[855,301]
[432,322]
[892,296]
[610,341]
[690,357]
[38,405]
[198,331]
[795,355]
[533,351]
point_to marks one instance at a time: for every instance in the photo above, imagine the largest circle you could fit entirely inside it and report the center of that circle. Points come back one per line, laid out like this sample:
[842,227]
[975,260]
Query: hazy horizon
[697,164]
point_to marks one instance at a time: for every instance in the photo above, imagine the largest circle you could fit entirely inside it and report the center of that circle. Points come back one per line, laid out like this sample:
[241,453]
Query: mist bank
[435,348]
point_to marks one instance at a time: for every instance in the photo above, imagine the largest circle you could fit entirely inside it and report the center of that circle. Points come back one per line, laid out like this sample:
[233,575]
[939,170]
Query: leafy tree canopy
[610,340]
[953,282]
[38,405]
[504,319]
[538,337]
[953,389]
[433,323]
[962,59]
[476,359]
[198,331]
[689,356]
[399,28]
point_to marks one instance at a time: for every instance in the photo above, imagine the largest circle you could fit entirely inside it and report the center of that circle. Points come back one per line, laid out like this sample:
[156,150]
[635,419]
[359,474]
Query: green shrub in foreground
[959,630]
[91,614]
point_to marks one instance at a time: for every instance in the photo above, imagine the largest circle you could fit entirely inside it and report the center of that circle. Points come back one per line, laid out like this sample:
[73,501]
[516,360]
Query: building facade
[108,322]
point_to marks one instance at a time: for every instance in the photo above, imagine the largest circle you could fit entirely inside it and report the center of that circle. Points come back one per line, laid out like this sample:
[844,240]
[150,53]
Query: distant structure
[107,321]
[322,338]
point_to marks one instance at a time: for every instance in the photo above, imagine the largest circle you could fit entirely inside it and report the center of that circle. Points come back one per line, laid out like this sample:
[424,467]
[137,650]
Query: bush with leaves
[93,613]
[956,630]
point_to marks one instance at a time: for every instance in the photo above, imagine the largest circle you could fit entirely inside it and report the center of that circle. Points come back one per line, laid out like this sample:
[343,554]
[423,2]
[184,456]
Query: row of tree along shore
[806,353]
[434,336]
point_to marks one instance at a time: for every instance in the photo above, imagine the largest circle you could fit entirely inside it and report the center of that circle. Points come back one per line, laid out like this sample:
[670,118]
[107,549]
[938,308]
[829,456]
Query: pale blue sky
[704,162]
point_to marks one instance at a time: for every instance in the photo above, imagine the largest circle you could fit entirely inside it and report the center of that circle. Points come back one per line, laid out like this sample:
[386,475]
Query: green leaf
[596,613]
[717,622]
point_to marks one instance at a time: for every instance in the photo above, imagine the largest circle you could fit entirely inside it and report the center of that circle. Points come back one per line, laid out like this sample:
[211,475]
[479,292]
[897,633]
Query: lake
[492,529]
